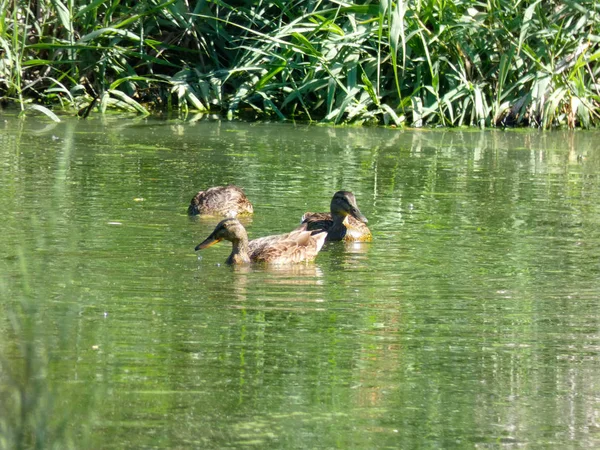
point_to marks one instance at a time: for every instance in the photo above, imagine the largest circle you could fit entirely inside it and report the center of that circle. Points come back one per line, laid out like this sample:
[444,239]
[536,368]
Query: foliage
[418,62]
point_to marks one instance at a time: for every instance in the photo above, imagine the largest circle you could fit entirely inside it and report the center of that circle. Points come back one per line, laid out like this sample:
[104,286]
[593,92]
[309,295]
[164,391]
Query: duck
[294,247]
[228,201]
[344,222]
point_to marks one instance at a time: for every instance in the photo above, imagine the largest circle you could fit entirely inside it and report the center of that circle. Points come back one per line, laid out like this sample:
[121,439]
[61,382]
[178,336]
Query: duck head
[344,204]
[228,229]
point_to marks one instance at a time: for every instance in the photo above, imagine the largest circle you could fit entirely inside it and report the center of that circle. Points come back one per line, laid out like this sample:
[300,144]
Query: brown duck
[228,201]
[297,246]
[345,222]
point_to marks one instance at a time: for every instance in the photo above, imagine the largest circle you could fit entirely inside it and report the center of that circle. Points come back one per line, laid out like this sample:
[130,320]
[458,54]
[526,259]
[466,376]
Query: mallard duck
[229,201]
[297,246]
[345,222]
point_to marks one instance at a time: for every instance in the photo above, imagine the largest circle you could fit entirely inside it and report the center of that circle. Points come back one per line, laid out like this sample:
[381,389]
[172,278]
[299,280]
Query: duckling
[228,201]
[297,246]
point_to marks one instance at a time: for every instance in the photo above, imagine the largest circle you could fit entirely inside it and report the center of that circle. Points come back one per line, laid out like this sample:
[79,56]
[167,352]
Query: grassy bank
[412,63]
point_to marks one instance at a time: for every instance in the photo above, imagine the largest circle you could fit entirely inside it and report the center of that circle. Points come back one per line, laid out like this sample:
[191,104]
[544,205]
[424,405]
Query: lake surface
[470,321]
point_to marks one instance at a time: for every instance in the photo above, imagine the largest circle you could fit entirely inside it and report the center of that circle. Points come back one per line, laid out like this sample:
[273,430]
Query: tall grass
[419,62]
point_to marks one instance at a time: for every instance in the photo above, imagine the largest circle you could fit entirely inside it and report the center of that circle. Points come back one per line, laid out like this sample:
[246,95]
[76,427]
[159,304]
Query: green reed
[419,62]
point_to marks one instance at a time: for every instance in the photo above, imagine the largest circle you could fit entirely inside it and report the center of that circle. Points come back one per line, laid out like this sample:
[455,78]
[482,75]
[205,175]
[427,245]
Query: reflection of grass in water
[26,402]
[34,412]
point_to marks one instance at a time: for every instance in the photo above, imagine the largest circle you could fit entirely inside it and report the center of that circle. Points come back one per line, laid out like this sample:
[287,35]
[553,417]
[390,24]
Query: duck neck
[239,252]
[339,220]
[339,227]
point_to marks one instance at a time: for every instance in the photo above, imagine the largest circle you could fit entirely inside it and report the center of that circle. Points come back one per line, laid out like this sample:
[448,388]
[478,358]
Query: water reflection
[471,319]
[302,273]
[290,286]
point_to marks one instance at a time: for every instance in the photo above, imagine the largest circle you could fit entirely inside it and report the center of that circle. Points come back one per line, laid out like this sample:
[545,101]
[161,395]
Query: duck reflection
[346,254]
[305,274]
[276,287]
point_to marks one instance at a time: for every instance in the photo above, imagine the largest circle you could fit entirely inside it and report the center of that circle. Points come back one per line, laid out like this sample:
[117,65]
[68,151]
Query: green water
[471,320]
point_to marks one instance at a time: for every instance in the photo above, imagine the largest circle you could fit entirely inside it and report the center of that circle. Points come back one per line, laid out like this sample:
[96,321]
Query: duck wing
[316,221]
[297,246]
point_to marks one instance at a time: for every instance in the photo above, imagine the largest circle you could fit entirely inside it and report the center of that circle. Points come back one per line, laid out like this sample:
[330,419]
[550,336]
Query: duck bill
[358,215]
[208,242]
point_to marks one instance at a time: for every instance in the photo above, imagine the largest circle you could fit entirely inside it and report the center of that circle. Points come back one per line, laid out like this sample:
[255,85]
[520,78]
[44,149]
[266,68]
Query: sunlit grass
[411,63]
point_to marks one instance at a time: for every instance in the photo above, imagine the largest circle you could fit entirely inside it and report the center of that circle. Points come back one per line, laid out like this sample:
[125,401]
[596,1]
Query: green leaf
[369,87]
[527,18]
[383,6]
[398,120]
[89,7]
[104,102]
[129,101]
[306,45]
[265,79]
[552,106]
[194,100]
[64,15]
[397,30]
[43,110]
[37,62]
[115,84]
[480,107]
[271,105]
[109,31]
[331,88]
